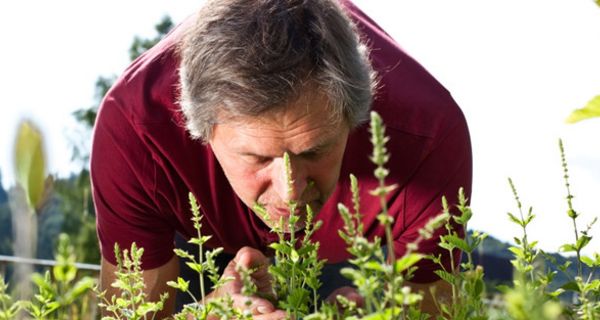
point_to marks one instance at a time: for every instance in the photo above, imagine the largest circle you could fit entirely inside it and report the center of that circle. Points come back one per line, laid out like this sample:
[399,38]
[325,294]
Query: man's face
[250,151]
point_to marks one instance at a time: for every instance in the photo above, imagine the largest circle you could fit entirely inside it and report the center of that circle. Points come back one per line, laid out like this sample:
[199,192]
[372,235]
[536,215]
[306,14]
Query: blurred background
[517,68]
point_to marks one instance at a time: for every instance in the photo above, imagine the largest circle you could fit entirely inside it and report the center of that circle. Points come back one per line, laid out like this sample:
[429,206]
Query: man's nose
[289,190]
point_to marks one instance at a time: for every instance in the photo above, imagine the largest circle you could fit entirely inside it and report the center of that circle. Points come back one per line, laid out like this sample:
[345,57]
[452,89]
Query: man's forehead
[311,101]
[262,139]
[272,140]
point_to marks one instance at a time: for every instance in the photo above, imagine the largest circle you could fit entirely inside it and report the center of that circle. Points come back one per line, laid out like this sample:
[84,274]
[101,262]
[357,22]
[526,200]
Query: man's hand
[261,308]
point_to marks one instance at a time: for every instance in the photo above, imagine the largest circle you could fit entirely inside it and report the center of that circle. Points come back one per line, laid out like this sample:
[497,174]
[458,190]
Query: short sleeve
[123,183]
[441,173]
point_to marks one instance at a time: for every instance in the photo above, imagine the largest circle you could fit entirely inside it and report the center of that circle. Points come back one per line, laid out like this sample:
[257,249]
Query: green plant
[60,295]
[468,287]
[587,290]
[527,299]
[379,277]
[8,308]
[202,308]
[296,268]
[131,303]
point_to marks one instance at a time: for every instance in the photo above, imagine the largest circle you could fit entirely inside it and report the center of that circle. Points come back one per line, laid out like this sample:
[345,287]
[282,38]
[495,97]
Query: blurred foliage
[590,110]
[140,45]
[30,162]
[79,218]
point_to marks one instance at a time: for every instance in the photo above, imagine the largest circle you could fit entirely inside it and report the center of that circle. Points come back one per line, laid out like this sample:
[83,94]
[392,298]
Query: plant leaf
[567,248]
[407,261]
[30,163]
[588,261]
[591,110]
[582,242]
[446,276]
[458,242]
[572,286]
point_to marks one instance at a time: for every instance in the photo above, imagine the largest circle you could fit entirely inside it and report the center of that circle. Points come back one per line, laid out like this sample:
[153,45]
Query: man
[212,108]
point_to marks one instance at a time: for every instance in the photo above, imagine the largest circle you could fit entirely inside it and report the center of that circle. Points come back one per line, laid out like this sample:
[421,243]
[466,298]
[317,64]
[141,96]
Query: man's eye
[262,159]
[257,159]
[311,155]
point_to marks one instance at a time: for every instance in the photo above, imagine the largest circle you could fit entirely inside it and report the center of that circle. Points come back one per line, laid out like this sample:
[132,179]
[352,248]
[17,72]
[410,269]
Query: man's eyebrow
[319,147]
[309,151]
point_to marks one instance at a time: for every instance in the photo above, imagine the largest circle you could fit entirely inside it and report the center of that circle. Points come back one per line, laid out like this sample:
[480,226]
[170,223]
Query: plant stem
[571,212]
[201,261]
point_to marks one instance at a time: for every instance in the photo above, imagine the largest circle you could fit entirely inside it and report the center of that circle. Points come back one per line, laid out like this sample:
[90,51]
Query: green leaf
[182,284]
[280,247]
[351,274]
[183,254]
[478,288]
[407,261]
[446,276]
[590,110]
[195,266]
[588,261]
[556,293]
[81,287]
[294,256]
[518,252]
[567,248]
[30,162]
[515,219]
[529,218]
[503,288]
[582,242]
[457,242]
[572,286]
[373,265]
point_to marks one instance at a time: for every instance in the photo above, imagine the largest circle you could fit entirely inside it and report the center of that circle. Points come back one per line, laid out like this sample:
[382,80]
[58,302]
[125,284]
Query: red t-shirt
[144,163]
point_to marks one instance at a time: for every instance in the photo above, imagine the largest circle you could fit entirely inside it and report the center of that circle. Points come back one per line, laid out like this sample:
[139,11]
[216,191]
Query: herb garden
[378,276]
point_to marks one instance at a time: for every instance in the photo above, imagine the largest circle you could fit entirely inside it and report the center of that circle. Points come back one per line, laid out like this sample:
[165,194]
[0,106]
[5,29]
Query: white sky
[516,67]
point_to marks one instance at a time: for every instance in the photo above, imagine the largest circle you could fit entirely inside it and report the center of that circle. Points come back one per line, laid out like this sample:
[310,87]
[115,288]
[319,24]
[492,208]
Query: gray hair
[246,57]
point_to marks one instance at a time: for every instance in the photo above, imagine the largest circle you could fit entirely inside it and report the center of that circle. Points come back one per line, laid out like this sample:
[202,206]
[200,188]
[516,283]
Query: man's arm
[155,281]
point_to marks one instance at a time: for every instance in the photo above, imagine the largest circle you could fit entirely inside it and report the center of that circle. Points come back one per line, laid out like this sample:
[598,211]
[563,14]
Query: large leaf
[591,110]
[30,163]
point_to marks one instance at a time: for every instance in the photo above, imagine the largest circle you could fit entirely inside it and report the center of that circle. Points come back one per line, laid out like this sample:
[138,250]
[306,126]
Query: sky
[517,69]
